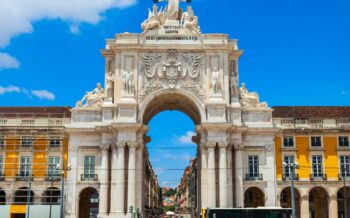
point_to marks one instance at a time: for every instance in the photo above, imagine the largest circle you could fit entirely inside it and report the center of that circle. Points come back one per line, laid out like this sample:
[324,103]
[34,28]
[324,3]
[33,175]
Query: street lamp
[345,173]
[292,167]
[62,185]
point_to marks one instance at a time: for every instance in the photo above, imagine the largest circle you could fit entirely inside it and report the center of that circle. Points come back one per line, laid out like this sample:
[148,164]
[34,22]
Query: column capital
[211,144]
[104,147]
[223,144]
[238,147]
[120,144]
[133,145]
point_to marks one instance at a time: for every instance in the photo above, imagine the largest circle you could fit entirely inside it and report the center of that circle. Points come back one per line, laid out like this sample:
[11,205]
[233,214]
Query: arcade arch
[318,202]
[88,203]
[340,198]
[254,197]
[20,196]
[286,199]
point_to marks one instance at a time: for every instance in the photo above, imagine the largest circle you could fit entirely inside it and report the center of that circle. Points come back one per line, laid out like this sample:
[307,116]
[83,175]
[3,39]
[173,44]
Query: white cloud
[6,61]
[43,94]
[187,138]
[17,16]
[344,92]
[9,89]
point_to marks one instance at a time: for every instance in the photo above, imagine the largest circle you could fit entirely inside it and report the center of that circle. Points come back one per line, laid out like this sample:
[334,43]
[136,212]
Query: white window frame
[91,171]
[322,166]
[1,165]
[51,167]
[54,145]
[288,136]
[284,168]
[313,147]
[347,174]
[2,142]
[338,141]
[29,171]
[254,174]
[27,138]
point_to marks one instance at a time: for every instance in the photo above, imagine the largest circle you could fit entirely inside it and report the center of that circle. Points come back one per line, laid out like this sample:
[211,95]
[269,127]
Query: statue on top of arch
[250,99]
[157,19]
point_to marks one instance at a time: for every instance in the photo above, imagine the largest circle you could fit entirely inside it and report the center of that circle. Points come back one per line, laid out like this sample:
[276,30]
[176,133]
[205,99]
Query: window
[253,166]
[89,167]
[345,166]
[343,141]
[288,141]
[55,143]
[52,166]
[2,142]
[27,142]
[1,165]
[317,166]
[287,170]
[25,166]
[316,141]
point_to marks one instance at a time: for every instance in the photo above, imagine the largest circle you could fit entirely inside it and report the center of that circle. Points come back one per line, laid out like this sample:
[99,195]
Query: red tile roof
[311,112]
[35,112]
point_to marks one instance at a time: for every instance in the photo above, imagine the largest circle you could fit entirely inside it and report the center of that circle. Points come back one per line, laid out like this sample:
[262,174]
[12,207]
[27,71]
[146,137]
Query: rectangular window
[253,166]
[343,141]
[52,166]
[2,142]
[316,141]
[288,141]
[25,166]
[54,143]
[89,167]
[317,166]
[345,166]
[1,166]
[27,142]
[287,170]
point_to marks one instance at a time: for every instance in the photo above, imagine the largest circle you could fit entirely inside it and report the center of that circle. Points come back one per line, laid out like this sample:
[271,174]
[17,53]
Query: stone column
[333,207]
[204,177]
[211,175]
[103,205]
[132,175]
[140,178]
[304,207]
[119,193]
[223,175]
[239,176]
[71,192]
[229,177]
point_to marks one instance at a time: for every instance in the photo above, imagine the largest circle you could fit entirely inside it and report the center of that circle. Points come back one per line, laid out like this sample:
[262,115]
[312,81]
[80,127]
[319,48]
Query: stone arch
[168,99]
[88,203]
[2,197]
[318,202]
[254,197]
[51,196]
[21,195]
[286,199]
[340,200]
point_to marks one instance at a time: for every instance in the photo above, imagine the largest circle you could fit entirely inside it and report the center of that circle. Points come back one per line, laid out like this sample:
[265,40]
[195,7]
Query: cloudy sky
[295,53]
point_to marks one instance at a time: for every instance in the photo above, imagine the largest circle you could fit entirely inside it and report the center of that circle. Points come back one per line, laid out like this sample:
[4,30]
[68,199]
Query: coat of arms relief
[172,70]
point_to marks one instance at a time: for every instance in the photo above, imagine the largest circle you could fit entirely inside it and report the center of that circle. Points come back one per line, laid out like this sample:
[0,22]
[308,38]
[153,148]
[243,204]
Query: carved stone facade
[171,65]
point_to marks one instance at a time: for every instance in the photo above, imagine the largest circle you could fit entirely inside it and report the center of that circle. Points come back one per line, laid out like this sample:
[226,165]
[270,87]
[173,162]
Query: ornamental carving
[172,70]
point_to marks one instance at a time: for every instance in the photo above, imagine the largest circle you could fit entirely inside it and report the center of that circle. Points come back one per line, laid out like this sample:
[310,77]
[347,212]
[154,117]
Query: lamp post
[345,172]
[62,186]
[292,167]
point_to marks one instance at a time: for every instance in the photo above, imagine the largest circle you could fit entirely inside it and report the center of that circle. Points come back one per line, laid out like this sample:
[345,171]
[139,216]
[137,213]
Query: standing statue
[173,9]
[215,81]
[109,84]
[127,80]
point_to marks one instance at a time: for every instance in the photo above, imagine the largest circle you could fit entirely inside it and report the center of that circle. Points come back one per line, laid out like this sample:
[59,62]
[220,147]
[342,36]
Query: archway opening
[172,117]
[88,203]
[318,202]
[51,196]
[286,199]
[2,197]
[254,198]
[341,202]
[21,196]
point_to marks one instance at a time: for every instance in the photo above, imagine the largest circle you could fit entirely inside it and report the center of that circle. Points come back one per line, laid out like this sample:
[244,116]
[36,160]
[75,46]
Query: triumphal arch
[171,65]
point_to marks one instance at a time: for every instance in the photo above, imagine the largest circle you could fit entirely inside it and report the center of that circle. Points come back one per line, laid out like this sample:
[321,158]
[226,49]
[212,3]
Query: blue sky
[295,51]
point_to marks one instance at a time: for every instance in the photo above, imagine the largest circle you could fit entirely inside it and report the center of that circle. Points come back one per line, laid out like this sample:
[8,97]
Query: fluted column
[119,193]
[239,177]
[204,177]
[229,176]
[223,175]
[211,175]
[71,203]
[333,207]
[304,207]
[103,206]
[132,175]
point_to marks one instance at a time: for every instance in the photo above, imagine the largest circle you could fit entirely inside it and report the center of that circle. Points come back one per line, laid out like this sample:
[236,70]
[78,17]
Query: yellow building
[317,138]
[32,144]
